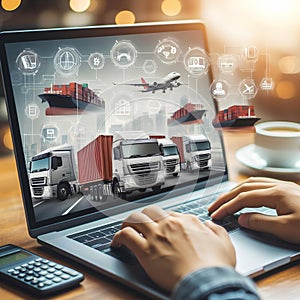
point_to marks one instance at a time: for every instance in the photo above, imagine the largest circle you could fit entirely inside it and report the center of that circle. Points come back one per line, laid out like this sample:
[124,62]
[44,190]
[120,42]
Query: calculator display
[13,258]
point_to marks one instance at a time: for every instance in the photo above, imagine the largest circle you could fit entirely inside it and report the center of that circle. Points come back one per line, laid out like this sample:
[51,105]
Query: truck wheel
[117,190]
[175,174]
[156,188]
[63,191]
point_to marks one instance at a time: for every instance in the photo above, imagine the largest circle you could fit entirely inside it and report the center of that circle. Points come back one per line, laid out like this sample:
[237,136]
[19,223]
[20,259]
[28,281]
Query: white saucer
[248,157]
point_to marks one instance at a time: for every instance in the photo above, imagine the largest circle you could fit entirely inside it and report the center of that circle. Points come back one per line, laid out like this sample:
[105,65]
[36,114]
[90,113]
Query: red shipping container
[95,160]
[179,143]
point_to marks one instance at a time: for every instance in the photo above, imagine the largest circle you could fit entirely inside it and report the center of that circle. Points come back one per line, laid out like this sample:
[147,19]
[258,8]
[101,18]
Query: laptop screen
[103,116]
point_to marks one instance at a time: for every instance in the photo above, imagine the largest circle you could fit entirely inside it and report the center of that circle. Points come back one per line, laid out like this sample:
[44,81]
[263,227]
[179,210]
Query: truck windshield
[140,150]
[170,150]
[200,146]
[40,165]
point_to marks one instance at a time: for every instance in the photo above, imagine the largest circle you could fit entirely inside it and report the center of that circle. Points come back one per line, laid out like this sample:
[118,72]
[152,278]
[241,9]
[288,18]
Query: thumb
[259,222]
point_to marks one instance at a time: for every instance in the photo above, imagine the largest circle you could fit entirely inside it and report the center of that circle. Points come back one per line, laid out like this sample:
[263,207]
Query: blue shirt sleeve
[216,283]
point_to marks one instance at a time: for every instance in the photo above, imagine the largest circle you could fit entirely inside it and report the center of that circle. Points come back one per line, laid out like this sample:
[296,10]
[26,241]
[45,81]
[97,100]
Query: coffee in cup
[278,143]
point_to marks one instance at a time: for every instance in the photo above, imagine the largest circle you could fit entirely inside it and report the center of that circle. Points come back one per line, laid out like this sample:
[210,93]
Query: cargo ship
[71,98]
[189,113]
[236,116]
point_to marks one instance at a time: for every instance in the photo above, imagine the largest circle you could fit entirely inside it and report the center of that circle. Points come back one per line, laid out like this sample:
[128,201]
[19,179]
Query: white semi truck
[197,152]
[52,173]
[170,156]
[137,163]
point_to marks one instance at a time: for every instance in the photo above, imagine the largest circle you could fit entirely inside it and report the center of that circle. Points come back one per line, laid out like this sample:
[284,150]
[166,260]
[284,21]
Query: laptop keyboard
[99,238]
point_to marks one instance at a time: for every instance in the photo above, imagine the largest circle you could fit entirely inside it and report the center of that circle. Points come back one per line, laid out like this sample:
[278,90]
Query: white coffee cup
[278,143]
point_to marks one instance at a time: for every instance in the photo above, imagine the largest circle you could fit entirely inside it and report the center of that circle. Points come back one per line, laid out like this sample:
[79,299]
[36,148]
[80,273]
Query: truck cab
[170,156]
[197,152]
[137,163]
[52,174]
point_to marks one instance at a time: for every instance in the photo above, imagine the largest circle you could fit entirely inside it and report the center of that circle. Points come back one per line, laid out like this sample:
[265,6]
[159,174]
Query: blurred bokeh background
[270,26]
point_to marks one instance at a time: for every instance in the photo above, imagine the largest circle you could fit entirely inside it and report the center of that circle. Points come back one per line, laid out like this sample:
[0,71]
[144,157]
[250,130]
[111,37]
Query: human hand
[283,196]
[169,246]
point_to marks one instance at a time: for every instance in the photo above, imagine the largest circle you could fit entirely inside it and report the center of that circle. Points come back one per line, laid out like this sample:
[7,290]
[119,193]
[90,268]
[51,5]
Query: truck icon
[120,164]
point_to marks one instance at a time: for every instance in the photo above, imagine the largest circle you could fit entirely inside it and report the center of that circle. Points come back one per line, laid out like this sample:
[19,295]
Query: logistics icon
[167,51]
[250,54]
[67,61]
[227,63]
[219,89]
[32,111]
[248,88]
[149,66]
[196,61]
[267,84]
[28,62]
[49,133]
[123,54]
[96,61]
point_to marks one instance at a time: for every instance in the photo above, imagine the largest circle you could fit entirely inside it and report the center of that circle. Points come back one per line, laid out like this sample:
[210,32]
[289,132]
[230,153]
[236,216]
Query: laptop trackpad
[256,252]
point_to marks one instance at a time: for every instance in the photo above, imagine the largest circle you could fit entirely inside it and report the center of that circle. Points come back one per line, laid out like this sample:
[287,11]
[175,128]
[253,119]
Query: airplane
[168,82]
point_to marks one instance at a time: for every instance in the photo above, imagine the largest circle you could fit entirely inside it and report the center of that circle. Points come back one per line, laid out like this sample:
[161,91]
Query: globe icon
[67,61]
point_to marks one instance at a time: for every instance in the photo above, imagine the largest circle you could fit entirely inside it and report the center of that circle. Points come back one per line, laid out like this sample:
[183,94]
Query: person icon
[218,91]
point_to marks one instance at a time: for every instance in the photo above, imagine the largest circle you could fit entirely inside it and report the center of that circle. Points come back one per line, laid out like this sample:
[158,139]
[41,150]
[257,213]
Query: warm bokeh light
[80,5]
[10,5]
[171,7]
[286,90]
[77,19]
[125,17]
[7,141]
[289,65]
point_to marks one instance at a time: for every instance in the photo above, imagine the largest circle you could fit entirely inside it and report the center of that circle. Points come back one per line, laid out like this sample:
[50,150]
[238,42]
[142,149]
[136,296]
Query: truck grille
[145,179]
[170,165]
[206,156]
[37,191]
[144,168]
[38,181]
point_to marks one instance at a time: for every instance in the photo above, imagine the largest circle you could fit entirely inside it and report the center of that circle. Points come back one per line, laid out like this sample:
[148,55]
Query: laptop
[108,119]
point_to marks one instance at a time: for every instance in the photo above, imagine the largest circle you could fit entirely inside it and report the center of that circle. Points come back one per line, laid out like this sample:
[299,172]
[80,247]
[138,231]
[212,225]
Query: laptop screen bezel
[36,228]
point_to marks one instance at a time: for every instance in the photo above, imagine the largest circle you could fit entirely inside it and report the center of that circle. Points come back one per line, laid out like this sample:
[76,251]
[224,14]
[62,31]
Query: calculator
[34,273]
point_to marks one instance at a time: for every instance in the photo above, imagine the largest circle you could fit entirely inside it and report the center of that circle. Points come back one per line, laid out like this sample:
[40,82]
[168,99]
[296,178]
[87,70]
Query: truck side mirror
[54,162]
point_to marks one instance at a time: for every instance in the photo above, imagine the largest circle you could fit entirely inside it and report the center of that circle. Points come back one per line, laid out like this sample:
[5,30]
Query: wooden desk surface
[280,284]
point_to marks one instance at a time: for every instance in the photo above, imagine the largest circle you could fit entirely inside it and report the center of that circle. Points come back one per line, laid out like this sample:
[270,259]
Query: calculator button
[70,272]
[65,277]
[24,265]
[56,279]
[45,261]
[15,273]
[18,268]
[39,259]
[43,273]
[28,278]
[41,284]
[49,276]
[58,273]
[48,282]
[21,275]
[58,267]
[10,270]
[37,264]
[30,267]
[35,281]
[51,264]
[44,267]
[37,269]
[51,270]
